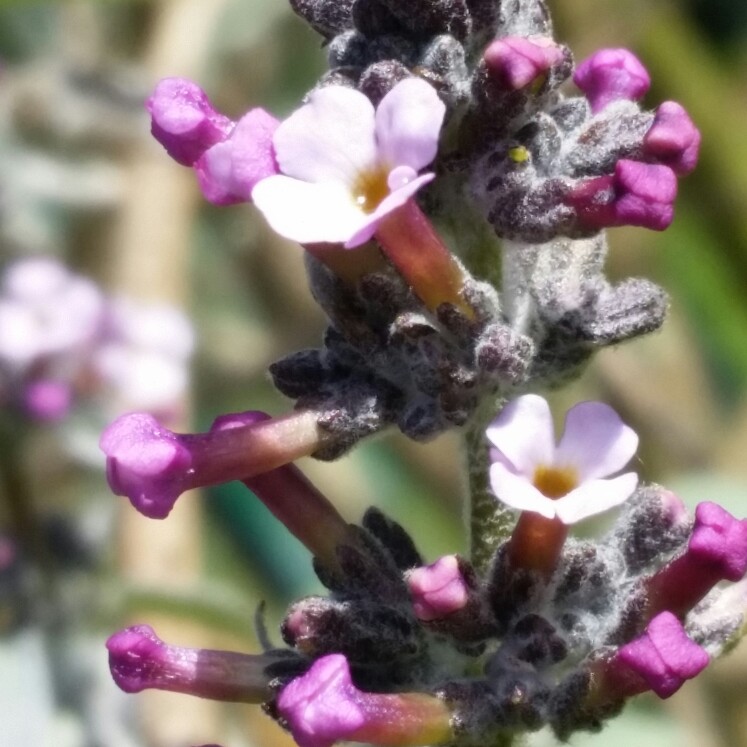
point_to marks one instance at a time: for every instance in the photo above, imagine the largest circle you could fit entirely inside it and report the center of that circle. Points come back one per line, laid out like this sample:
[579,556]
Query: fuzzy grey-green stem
[489,523]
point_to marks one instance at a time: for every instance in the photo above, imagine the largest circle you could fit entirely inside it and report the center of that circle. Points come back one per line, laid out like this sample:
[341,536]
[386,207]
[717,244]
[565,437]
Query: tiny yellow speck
[518,154]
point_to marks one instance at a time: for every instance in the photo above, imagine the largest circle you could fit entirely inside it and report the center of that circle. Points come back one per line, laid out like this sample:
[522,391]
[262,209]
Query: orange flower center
[555,482]
[370,188]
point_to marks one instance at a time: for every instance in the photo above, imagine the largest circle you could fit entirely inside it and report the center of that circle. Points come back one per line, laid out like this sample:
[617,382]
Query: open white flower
[345,166]
[571,480]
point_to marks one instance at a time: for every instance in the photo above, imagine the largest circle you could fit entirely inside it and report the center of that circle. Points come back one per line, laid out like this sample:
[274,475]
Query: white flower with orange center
[345,166]
[570,480]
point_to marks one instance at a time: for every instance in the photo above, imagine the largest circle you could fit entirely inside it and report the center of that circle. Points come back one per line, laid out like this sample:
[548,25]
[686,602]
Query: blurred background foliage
[81,179]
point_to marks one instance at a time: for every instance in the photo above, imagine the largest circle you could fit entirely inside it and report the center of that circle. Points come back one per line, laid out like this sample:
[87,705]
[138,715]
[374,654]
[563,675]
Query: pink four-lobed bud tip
[140,660]
[229,170]
[438,589]
[516,61]
[637,194]
[183,120]
[673,139]
[664,656]
[135,654]
[611,75]
[719,541]
[145,462]
[323,706]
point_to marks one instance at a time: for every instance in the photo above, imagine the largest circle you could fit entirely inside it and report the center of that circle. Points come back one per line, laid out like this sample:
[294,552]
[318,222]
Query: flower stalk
[410,241]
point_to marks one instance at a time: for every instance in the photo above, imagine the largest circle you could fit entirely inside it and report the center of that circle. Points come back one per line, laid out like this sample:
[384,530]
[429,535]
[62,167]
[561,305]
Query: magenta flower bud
[717,551]
[638,194]
[664,656]
[673,139]
[47,400]
[184,121]
[438,589]
[516,61]
[719,541]
[610,75]
[229,170]
[324,706]
[140,660]
[152,466]
[145,462]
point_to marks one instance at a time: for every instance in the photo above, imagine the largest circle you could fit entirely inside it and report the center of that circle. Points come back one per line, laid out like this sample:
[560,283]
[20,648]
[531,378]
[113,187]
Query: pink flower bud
[664,656]
[637,194]
[673,139]
[140,660]
[517,61]
[717,551]
[229,170]
[152,466]
[438,589]
[184,121]
[324,706]
[610,75]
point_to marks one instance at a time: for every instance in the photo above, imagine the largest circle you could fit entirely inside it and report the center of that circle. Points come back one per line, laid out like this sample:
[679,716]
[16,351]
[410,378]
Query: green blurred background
[80,178]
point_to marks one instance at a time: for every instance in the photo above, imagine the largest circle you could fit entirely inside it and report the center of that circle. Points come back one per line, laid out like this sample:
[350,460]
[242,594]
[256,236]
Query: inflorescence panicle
[442,128]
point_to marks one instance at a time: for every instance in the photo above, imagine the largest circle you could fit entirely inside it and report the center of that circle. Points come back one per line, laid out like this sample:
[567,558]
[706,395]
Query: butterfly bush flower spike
[452,194]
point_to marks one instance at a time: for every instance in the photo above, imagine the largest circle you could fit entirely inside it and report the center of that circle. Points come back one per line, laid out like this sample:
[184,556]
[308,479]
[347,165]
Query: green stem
[489,522]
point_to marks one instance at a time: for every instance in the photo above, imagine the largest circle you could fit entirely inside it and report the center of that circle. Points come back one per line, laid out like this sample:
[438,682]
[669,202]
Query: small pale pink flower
[345,166]
[569,480]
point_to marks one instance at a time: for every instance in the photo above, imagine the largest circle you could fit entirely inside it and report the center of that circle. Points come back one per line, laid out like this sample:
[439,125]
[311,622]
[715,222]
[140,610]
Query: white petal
[391,202]
[517,492]
[408,122]
[306,212]
[523,432]
[595,497]
[329,139]
[595,441]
